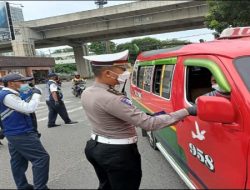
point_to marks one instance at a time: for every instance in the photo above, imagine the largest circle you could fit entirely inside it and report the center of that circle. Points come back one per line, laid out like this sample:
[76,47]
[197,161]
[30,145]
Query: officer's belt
[105,140]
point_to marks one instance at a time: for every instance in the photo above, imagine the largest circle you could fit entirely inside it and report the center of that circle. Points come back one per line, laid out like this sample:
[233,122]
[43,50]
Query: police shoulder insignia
[113,91]
[127,101]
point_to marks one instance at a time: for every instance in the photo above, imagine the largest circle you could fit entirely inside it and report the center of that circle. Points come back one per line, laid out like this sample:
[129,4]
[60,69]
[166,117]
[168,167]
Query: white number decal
[200,155]
[192,149]
[203,158]
[209,162]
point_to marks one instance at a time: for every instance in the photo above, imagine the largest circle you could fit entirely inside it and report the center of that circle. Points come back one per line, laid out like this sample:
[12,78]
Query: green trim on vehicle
[170,136]
[167,134]
[167,61]
[146,63]
[213,68]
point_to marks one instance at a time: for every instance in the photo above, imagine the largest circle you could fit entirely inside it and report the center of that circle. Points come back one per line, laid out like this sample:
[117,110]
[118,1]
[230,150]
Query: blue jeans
[24,148]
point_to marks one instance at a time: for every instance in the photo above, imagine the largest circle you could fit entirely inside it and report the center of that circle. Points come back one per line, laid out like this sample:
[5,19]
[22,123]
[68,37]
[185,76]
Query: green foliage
[133,50]
[146,44]
[223,14]
[100,47]
[173,43]
[65,68]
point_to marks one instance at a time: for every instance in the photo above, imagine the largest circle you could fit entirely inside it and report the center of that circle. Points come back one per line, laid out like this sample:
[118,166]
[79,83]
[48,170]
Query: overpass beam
[82,65]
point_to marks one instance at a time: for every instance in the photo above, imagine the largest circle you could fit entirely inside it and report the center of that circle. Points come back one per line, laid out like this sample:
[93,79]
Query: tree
[100,47]
[173,43]
[146,44]
[65,68]
[133,50]
[223,14]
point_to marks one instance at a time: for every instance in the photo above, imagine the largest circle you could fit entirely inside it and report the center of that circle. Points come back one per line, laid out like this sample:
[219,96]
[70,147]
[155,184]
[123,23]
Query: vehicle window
[148,73]
[140,77]
[198,82]
[242,65]
[157,79]
[167,80]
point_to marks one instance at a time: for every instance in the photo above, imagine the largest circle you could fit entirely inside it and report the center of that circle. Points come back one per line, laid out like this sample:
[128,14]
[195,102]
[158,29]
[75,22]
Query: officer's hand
[192,110]
[36,90]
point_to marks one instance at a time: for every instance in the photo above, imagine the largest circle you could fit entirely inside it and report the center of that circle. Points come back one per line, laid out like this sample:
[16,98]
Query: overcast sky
[41,9]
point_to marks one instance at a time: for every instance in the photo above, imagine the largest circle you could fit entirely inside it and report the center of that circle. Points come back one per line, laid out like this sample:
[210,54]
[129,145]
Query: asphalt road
[69,168]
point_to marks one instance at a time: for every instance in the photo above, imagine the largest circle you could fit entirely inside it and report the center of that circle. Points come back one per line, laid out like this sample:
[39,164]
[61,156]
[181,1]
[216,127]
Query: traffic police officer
[54,101]
[23,141]
[112,149]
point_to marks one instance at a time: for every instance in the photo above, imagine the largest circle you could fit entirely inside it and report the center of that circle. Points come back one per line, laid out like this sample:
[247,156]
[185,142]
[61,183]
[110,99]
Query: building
[63,57]
[38,67]
[16,13]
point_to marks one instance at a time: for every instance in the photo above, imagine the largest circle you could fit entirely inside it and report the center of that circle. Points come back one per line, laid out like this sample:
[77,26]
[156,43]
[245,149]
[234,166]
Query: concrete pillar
[23,48]
[83,66]
[23,45]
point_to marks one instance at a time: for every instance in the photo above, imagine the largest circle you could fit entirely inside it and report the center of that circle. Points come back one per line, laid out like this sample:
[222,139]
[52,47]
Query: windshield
[242,65]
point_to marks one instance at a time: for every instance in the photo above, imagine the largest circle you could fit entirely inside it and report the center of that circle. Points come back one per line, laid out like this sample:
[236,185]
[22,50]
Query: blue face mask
[24,87]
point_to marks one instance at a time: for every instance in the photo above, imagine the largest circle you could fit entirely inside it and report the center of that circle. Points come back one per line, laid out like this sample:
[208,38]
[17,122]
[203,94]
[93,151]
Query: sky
[41,9]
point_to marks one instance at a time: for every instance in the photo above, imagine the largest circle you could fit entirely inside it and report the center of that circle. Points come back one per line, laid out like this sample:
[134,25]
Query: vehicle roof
[230,48]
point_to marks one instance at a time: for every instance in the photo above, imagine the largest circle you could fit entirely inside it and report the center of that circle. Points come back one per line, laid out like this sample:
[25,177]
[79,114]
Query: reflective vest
[13,122]
[59,91]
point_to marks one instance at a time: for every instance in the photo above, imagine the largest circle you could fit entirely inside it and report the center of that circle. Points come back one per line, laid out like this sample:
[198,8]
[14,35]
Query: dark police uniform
[24,143]
[112,149]
[53,108]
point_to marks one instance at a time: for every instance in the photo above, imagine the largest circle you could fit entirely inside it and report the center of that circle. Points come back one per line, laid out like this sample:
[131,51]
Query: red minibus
[210,150]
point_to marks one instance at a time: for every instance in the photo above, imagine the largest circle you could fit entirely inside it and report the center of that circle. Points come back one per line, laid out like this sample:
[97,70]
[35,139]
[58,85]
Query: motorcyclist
[76,81]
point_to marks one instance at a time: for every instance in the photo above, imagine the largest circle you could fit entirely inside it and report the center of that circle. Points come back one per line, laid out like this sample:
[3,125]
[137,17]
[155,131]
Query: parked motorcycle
[78,89]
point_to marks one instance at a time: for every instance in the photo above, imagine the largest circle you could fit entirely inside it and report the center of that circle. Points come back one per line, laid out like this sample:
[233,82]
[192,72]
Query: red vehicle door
[215,152]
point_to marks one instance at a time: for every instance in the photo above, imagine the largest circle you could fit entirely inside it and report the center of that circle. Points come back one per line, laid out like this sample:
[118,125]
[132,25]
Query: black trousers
[53,111]
[118,167]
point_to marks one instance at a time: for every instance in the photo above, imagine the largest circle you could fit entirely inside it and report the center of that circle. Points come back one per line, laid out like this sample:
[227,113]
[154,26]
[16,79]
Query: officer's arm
[54,95]
[53,89]
[124,110]
[14,102]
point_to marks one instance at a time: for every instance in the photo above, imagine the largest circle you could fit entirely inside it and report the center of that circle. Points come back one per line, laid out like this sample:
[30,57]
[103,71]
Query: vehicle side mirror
[215,109]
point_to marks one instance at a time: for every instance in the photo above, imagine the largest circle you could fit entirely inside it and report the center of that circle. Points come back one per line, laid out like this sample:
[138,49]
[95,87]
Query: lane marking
[44,108]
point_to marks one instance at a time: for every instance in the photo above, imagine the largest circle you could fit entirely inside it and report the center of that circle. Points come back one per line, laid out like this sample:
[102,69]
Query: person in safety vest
[23,140]
[54,101]
[26,92]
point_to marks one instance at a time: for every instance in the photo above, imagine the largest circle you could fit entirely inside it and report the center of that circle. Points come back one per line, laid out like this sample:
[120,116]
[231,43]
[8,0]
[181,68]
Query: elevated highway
[121,21]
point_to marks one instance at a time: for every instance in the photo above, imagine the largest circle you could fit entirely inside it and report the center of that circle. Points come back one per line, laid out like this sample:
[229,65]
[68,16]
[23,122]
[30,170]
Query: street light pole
[100,4]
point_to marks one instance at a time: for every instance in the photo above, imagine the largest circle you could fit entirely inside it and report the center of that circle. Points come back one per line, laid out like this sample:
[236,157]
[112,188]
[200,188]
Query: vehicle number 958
[202,157]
